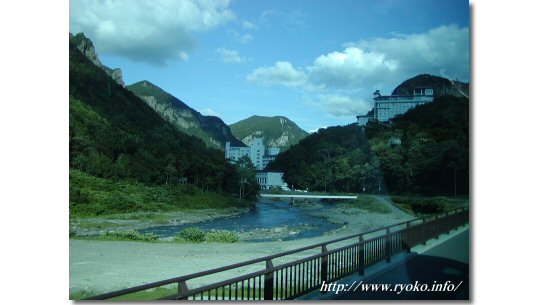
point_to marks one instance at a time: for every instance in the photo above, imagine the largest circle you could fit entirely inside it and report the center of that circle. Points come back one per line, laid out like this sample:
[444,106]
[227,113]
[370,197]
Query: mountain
[441,86]
[114,135]
[211,129]
[277,131]
[85,45]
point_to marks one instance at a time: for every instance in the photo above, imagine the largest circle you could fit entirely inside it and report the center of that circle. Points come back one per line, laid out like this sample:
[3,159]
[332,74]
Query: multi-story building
[270,155]
[269,180]
[257,153]
[387,107]
[234,153]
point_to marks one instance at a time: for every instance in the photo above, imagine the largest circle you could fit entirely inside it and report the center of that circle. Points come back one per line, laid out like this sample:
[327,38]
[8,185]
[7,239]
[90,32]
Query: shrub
[194,234]
[222,237]
[428,206]
[422,205]
[131,235]
[78,196]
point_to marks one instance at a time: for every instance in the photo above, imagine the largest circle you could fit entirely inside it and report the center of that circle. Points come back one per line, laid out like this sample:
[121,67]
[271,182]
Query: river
[267,221]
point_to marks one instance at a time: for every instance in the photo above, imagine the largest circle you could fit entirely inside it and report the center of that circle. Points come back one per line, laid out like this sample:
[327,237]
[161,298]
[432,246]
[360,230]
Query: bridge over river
[305,196]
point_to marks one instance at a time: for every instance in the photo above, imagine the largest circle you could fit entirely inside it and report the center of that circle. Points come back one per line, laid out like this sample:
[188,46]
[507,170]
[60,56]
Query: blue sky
[316,62]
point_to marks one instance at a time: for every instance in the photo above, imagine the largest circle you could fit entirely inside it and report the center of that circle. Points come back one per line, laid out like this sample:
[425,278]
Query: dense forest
[422,152]
[115,135]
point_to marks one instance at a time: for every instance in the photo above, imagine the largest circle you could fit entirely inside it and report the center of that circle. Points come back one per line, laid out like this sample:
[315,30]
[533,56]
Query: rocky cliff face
[85,46]
[212,130]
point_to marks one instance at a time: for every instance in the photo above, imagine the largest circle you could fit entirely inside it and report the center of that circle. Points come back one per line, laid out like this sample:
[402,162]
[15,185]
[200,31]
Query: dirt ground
[102,266]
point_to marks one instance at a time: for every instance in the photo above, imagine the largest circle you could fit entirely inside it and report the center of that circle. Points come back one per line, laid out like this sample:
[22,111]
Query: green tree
[248,185]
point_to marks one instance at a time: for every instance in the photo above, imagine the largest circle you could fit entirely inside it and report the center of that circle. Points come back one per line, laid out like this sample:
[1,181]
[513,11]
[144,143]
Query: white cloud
[241,38]
[316,129]
[341,82]
[268,14]
[209,111]
[230,56]
[150,31]
[248,25]
[351,68]
[245,38]
[290,20]
[282,73]
[342,105]
[445,48]
[381,62]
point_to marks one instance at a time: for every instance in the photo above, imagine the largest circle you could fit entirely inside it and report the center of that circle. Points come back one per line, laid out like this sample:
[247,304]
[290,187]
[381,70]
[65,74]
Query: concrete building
[270,155]
[270,180]
[235,153]
[363,119]
[257,153]
[387,107]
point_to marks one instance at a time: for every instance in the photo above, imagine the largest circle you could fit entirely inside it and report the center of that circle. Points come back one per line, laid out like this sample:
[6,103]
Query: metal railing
[298,277]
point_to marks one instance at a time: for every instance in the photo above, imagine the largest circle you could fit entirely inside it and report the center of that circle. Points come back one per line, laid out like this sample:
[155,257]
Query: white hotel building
[269,180]
[257,153]
[387,107]
[260,157]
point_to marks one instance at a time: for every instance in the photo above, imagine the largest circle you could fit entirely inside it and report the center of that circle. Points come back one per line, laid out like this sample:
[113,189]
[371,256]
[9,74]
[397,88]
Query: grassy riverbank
[367,203]
[419,206]
[92,196]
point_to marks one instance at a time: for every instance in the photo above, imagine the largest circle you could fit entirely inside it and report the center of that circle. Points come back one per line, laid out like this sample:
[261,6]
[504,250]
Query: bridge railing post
[387,246]
[268,282]
[436,226]
[406,238]
[424,231]
[182,289]
[324,265]
[361,255]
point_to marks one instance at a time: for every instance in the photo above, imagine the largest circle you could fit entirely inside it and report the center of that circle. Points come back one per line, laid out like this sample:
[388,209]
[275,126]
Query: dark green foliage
[194,234]
[441,86]
[130,235]
[91,196]
[432,158]
[422,205]
[222,237]
[250,187]
[332,159]
[197,235]
[113,134]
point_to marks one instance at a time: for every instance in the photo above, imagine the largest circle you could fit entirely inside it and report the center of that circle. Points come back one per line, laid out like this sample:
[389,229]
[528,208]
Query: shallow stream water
[297,220]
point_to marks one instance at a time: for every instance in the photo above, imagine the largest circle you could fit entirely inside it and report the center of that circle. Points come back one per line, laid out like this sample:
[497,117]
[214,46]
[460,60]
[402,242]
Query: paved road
[448,261]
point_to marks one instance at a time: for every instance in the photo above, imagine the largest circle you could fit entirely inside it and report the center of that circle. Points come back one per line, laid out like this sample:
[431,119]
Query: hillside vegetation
[432,158]
[210,129]
[115,136]
[92,196]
